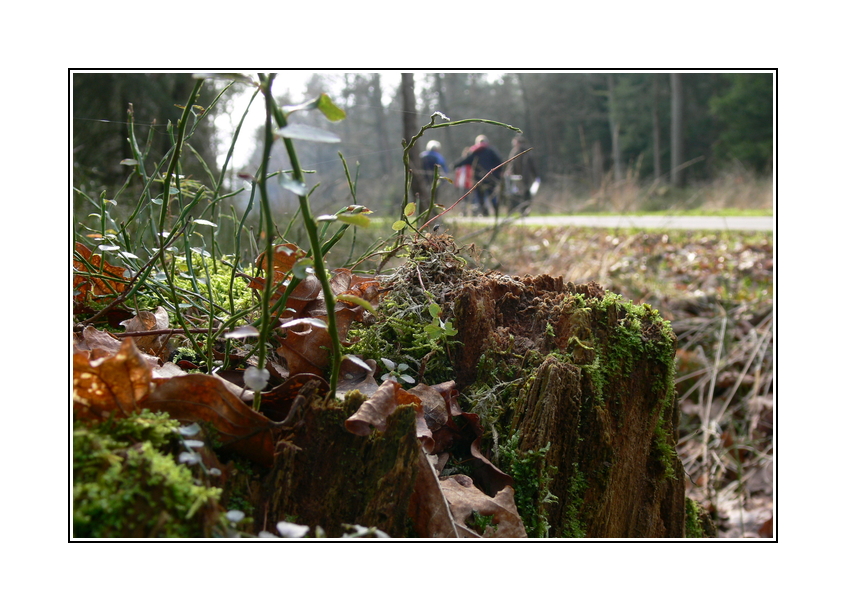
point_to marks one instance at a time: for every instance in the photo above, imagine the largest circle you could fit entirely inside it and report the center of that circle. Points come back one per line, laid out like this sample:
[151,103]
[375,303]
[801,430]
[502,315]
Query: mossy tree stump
[584,382]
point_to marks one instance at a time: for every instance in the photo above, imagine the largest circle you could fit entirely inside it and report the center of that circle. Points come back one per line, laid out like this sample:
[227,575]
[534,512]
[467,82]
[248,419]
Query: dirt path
[705,223]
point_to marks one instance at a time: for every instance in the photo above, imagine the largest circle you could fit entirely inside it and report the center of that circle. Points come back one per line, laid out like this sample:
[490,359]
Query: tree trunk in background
[656,131]
[409,130]
[615,131]
[597,165]
[524,92]
[676,123]
[449,147]
[382,134]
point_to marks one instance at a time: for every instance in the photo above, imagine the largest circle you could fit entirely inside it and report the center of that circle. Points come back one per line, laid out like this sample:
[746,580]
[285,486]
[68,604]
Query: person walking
[430,158]
[482,158]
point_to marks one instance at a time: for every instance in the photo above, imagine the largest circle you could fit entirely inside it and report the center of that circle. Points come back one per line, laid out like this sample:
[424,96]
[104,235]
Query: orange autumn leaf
[111,386]
[285,256]
[85,281]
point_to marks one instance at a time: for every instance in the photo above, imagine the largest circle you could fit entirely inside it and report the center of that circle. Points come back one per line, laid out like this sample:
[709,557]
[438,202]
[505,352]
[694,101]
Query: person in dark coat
[520,173]
[483,157]
[429,159]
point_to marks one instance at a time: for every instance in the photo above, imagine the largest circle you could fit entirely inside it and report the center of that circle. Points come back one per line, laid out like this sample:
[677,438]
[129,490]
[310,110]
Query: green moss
[127,482]
[692,523]
[211,285]
[532,477]
[664,451]
[405,331]
[573,526]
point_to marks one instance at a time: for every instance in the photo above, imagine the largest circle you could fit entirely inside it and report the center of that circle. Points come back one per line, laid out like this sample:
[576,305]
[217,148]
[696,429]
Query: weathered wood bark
[592,384]
[326,476]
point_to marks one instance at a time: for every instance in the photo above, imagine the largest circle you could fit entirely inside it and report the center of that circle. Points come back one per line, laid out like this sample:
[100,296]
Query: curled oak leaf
[204,399]
[374,412]
[304,294]
[114,385]
[305,351]
[149,321]
[465,499]
[90,278]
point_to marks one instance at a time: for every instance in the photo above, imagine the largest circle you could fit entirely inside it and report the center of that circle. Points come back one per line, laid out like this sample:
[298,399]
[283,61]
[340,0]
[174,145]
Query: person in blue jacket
[429,159]
[483,158]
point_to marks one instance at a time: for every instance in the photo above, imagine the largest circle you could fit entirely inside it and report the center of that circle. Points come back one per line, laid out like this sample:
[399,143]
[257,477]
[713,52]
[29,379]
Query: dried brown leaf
[284,257]
[204,399]
[114,385]
[464,499]
[149,321]
[84,283]
[305,351]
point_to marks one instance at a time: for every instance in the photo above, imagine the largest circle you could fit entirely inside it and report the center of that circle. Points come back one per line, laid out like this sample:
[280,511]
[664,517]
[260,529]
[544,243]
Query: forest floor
[716,288]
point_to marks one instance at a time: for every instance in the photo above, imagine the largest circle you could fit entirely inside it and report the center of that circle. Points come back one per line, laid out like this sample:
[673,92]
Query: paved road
[733,223]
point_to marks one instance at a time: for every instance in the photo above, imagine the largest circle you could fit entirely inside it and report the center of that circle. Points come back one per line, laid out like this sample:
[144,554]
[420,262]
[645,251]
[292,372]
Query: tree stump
[584,384]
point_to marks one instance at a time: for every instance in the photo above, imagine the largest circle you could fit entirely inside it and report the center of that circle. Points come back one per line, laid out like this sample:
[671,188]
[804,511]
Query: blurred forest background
[690,142]
[602,142]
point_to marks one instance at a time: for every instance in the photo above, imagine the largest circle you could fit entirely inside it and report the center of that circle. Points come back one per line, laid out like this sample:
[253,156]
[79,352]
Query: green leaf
[399,225]
[328,108]
[433,331]
[298,131]
[359,220]
[128,162]
[434,310]
[409,209]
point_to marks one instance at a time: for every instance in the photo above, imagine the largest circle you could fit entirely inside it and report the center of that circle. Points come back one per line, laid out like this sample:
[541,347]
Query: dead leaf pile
[305,337]
[122,383]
